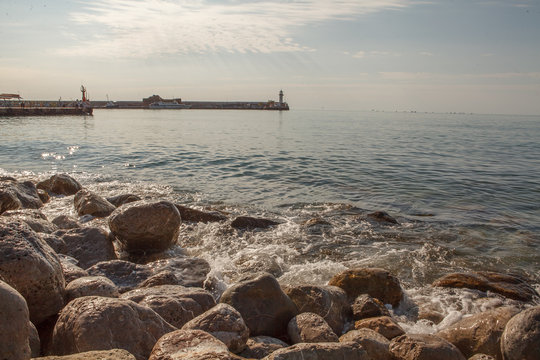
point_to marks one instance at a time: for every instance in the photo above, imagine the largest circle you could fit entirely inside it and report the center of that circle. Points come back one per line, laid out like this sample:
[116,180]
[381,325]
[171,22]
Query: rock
[89,203]
[521,336]
[60,184]
[102,323]
[330,302]
[374,343]
[510,286]
[124,274]
[194,215]
[43,196]
[423,347]
[176,304]
[70,269]
[190,271]
[14,324]
[225,324]
[35,219]
[32,267]
[189,345]
[264,307]
[250,223]
[88,245]
[382,217]
[254,263]
[317,226]
[479,333]
[481,357]
[320,351]
[66,222]
[384,325]
[376,282]
[260,346]
[365,306]
[115,354]
[166,277]
[91,286]
[310,328]
[120,200]
[18,195]
[145,226]
[33,340]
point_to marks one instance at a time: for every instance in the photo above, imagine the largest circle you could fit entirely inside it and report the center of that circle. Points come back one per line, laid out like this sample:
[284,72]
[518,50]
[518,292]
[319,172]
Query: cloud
[372,53]
[142,28]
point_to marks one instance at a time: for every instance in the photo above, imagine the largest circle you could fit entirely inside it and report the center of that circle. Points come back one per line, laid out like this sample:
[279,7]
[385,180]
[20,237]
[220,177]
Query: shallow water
[464,188]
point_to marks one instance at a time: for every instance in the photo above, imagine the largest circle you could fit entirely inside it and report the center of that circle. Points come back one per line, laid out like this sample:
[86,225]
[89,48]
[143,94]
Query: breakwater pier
[44,111]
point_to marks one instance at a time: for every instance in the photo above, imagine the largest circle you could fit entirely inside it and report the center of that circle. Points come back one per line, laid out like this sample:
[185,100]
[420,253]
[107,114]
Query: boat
[168,105]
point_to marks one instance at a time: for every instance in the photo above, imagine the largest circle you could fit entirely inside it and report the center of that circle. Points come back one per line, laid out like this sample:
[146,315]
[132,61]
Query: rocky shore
[116,287]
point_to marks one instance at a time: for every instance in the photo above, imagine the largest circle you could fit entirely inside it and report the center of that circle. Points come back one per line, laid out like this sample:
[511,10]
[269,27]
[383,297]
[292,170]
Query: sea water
[464,188]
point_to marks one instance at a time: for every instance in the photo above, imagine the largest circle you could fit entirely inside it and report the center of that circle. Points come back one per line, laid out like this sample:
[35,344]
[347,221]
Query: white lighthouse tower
[280,98]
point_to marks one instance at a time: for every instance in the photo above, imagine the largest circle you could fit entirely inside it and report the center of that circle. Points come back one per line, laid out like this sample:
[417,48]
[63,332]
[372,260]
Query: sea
[464,189]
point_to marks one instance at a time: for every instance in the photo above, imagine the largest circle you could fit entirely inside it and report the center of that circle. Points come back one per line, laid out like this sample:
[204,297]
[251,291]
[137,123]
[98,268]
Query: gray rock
[89,203]
[88,245]
[521,336]
[70,268]
[35,219]
[14,325]
[194,215]
[190,271]
[250,223]
[124,274]
[61,184]
[18,195]
[66,222]
[91,286]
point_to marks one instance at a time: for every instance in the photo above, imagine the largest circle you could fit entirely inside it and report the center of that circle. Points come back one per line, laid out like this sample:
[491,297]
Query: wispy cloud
[142,28]
[372,53]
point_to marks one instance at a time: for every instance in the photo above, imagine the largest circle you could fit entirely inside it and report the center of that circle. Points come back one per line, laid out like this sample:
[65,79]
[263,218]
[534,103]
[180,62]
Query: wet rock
[423,347]
[91,286]
[480,333]
[97,323]
[43,196]
[521,336]
[66,222]
[317,226]
[189,345]
[33,340]
[88,245]
[70,268]
[146,226]
[250,223]
[32,267]
[60,184]
[384,325]
[382,217]
[89,203]
[310,328]
[365,306]
[35,219]
[18,195]
[225,324]
[264,307]
[374,343]
[120,200]
[166,277]
[14,324]
[115,354]
[376,282]
[320,351]
[330,302]
[124,274]
[194,215]
[510,286]
[253,263]
[481,357]
[176,304]
[260,346]
[190,271]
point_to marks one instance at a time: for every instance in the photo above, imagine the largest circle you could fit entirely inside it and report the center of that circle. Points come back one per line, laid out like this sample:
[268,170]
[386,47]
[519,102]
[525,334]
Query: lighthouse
[280,98]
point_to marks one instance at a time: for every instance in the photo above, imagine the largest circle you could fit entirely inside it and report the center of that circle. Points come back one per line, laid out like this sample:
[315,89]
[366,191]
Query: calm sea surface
[464,188]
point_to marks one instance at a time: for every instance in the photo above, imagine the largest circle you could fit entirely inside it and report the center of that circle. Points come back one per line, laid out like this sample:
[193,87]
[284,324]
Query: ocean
[465,188]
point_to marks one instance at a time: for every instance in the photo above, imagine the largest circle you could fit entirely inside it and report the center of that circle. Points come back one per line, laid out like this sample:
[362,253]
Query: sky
[475,56]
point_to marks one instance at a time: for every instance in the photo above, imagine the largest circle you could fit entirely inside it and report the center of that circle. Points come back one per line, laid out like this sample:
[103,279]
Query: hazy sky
[440,55]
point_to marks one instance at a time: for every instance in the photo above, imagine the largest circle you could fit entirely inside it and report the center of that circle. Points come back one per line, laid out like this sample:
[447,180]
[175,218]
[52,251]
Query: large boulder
[376,282]
[384,325]
[365,306]
[102,323]
[224,323]
[260,346]
[320,351]
[176,304]
[423,347]
[146,226]
[35,219]
[14,325]
[60,184]
[480,333]
[374,343]
[521,336]
[264,307]
[124,274]
[250,223]
[511,286]
[18,195]
[70,268]
[29,265]
[88,245]
[189,345]
[310,328]
[330,302]
[194,215]
[91,286]
[89,203]
[115,354]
